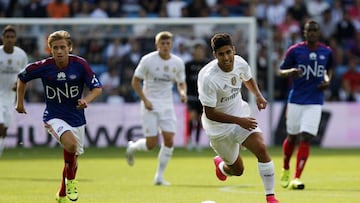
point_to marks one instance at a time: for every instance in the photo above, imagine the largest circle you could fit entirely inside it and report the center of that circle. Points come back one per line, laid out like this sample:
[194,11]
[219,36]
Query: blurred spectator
[299,11]
[114,9]
[260,9]
[116,49]
[174,8]
[85,10]
[75,7]
[345,31]
[354,51]
[198,8]
[354,10]
[337,10]
[100,10]
[130,7]
[351,82]
[327,26]
[34,9]
[316,7]
[288,27]
[275,13]
[152,7]
[111,82]
[58,9]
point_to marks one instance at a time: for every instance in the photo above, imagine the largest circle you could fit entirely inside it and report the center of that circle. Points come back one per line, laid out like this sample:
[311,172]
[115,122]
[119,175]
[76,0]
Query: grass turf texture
[33,175]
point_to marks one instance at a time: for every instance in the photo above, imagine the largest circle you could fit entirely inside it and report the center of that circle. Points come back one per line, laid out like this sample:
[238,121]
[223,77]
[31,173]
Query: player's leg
[309,128]
[150,131]
[62,131]
[227,162]
[6,117]
[256,145]
[3,130]
[164,156]
[293,117]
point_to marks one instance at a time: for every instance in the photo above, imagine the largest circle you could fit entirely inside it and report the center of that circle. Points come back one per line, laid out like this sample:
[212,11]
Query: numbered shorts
[227,146]
[57,127]
[303,118]
[152,121]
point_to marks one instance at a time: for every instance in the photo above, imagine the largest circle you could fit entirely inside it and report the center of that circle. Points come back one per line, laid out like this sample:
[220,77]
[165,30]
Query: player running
[63,76]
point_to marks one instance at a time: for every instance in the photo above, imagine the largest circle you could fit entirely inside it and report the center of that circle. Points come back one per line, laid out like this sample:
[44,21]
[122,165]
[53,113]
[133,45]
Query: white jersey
[10,66]
[222,90]
[159,76]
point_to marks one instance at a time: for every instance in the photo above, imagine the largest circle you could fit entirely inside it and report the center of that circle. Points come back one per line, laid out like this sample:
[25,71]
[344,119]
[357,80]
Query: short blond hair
[58,35]
[163,36]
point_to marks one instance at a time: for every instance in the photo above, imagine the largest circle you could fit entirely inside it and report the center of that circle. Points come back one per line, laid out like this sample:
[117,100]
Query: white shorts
[164,119]
[228,146]
[6,114]
[303,118]
[58,127]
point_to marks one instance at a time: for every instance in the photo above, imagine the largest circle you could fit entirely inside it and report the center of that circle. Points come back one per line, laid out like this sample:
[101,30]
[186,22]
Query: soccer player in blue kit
[63,76]
[310,64]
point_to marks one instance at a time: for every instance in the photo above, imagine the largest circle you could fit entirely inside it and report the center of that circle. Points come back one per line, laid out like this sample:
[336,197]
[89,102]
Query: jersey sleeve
[30,72]
[181,76]
[91,80]
[207,93]
[288,61]
[140,70]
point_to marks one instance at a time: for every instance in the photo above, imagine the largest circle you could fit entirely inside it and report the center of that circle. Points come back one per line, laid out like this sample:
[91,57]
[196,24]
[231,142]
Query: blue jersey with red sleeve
[62,87]
[313,63]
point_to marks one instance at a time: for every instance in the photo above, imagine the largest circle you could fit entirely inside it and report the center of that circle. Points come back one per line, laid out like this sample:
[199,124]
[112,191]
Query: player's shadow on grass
[39,179]
[211,186]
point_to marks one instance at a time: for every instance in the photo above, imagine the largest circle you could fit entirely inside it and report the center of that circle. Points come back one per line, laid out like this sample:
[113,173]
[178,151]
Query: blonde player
[227,119]
[12,60]
[158,70]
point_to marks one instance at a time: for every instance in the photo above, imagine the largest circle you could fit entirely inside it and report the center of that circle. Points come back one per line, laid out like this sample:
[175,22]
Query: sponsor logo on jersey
[61,76]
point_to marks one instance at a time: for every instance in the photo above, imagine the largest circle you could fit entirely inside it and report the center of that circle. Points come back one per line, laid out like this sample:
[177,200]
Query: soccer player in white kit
[227,118]
[12,60]
[158,71]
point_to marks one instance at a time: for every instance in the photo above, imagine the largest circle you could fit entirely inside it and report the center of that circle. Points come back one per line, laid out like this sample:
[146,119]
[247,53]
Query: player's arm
[292,72]
[326,82]
[253,87]
[214,115]
[182,89]
[91,96]
[20,94]
[136,84]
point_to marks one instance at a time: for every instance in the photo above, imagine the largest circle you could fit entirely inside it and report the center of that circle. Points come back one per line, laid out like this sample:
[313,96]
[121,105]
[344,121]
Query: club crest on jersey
[166,68]
[312,56]
[233,80]
[61,76]
[174,70]
[73,77]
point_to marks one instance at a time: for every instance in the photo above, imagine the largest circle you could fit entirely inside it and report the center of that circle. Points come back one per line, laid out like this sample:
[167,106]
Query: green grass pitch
[33,176]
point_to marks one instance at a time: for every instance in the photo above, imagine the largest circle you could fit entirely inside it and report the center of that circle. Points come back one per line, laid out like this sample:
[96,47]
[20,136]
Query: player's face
[164,47]
[312,32]
[225,57]
[9,39]
[60,51]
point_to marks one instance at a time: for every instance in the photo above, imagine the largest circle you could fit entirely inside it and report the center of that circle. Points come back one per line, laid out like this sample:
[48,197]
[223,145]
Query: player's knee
[71,147]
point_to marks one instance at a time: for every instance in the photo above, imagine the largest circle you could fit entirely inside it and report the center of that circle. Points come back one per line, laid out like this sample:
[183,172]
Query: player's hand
[148,105]
[296,73]
[82,104]
[20,109]
[183,98]
[261,102]
[248,123]
[324,85]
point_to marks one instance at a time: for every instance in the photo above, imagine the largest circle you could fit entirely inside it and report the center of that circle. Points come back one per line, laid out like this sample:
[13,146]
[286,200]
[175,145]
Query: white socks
[139,145]
[164,156]
[2,145]
[266,171]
